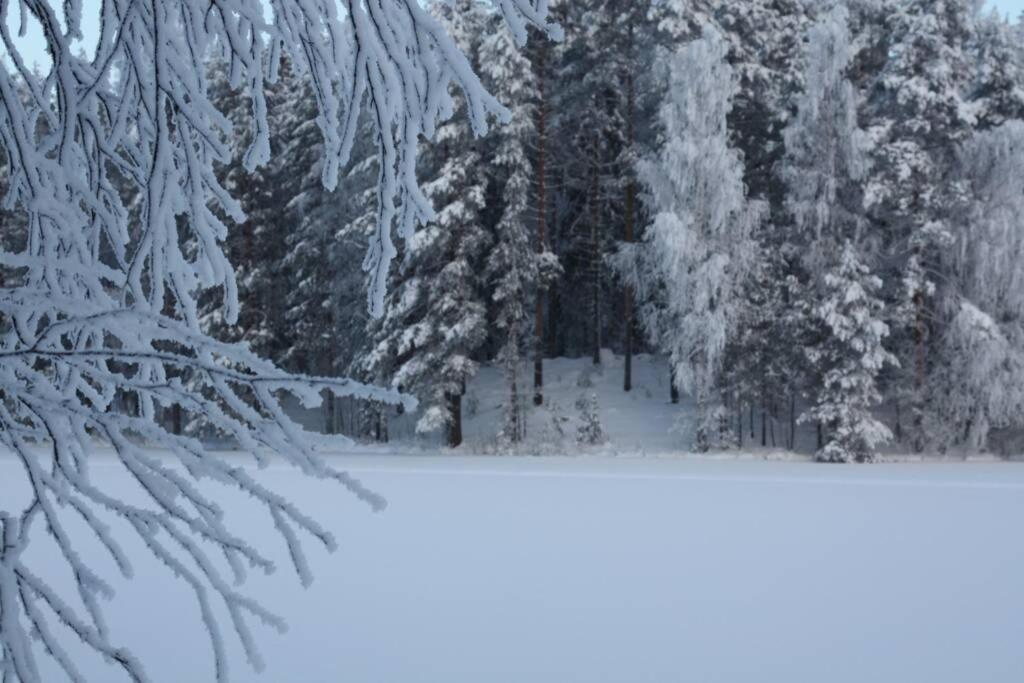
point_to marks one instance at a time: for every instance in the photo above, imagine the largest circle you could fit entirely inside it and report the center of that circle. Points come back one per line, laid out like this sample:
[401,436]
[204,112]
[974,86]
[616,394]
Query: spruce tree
[918,116]
[435,322]
[256,247]
[513,266]
[849,357]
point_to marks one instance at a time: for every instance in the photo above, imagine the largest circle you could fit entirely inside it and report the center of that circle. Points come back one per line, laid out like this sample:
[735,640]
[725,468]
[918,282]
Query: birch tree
[697,250]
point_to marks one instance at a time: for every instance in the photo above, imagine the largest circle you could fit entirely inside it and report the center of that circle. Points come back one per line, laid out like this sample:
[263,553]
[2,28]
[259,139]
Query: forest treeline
[815,209]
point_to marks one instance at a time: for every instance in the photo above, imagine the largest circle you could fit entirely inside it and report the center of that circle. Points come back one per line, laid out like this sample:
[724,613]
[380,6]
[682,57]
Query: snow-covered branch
[110,159]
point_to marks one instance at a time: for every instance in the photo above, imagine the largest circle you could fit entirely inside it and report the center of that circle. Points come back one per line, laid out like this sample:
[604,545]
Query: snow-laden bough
[109,161]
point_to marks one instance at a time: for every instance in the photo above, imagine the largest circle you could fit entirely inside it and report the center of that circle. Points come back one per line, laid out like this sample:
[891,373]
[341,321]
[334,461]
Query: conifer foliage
[849,358]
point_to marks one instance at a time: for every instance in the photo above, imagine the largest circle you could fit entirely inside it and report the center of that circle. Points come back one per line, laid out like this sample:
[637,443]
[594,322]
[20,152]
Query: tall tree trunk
[739,421]
[673,390]
[177,420]
[515,416]
[764,415]
[542,217]
[330,426]
[627,379]
[595,265]
[554,311]
[792,420]
[455,419]
[920,359]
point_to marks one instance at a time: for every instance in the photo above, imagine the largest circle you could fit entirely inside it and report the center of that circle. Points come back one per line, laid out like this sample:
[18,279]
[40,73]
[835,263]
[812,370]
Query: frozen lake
[551,570]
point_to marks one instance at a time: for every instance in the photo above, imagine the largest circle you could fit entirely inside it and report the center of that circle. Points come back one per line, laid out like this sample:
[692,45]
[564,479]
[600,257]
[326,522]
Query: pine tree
[998,59]
[589,126]
[849,358]
[257,246]
[589,432]
[918,117]
[513,266]
[436,320]
[697,251]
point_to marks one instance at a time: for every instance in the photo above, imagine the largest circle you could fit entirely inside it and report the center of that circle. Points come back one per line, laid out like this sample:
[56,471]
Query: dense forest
[815,210]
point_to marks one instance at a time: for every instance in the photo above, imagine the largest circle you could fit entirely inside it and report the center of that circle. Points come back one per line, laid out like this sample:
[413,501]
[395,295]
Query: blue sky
[1011,7]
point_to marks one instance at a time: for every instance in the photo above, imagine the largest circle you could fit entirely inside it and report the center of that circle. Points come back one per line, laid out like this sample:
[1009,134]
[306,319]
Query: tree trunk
[538,358]
[627,379]
[920,335]
[554,310]
[751,420]
[329,420]
[515,417]
[764,418]
[177,420]
[595,266]
[792,421]
[673,390]
[455,420]
[739,421]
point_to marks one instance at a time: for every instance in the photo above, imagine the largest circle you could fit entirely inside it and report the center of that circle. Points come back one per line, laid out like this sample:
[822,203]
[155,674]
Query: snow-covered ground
[625,570]
[643,421]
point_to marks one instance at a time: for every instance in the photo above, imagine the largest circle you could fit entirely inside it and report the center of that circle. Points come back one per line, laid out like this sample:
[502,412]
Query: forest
[278,276]
[812,209]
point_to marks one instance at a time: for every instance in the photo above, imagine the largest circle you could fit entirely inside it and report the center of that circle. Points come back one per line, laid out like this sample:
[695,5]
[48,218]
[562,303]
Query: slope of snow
[618,570]
[641,422]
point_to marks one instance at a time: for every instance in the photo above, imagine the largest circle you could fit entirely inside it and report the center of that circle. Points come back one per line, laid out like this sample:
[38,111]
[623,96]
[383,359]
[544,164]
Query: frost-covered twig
[110,159]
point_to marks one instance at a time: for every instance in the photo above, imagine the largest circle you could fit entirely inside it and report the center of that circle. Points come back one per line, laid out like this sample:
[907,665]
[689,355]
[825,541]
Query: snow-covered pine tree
[255,248]
[918,116]
[589,432]
[850,356]
[621,37]
[998,60]
[588,125]
[436,320]
[697,251]
[513,265]
[764,38]
[326,244]
[824,165]
[325,302]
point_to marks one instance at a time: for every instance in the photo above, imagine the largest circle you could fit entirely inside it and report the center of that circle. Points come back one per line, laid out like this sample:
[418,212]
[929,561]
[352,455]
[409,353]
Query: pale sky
[34,51]
[1011,7]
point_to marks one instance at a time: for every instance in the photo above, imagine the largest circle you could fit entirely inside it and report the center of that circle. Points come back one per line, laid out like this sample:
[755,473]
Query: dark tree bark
[538,358]
[627,379]
[455,425]
[177,420]
[595,265]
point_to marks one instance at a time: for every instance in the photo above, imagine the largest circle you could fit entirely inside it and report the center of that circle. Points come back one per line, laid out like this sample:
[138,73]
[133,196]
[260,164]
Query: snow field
[612,569]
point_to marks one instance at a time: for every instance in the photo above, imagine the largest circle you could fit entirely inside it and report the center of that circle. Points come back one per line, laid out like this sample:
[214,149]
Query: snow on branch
[109,160]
